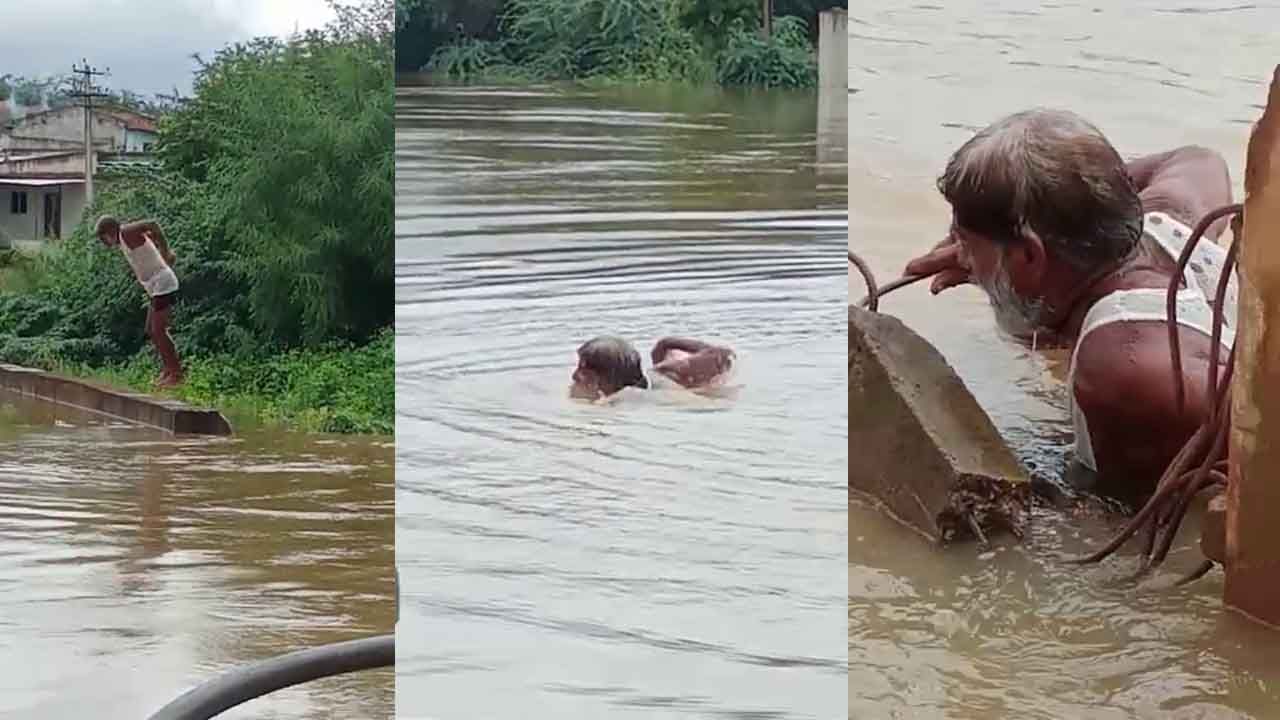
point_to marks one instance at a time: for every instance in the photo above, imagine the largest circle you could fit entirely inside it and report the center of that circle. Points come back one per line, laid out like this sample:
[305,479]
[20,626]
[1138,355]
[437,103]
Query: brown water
[135,565]
[670,556]
[1016,633]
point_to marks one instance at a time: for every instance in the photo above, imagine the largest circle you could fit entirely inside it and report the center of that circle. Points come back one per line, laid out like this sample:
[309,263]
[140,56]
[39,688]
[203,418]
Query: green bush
[295,143]
[469,58]
[638,40]
[683,41]
[711,21]
[784,60]
[338,388]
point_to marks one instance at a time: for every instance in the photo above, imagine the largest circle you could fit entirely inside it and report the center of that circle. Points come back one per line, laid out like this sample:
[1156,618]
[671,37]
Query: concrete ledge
[171,416]
[920,444]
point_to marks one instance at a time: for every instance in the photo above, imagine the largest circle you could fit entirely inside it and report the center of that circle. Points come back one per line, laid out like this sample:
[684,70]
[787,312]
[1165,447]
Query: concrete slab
[162,413]
[920,444]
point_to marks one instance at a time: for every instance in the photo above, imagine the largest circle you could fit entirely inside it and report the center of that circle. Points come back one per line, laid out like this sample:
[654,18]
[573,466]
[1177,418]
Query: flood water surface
[136,565]
[1017,632]
[668,555]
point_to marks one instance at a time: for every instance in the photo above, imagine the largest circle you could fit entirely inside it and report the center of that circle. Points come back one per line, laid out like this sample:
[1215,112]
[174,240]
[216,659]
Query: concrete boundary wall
[171,416]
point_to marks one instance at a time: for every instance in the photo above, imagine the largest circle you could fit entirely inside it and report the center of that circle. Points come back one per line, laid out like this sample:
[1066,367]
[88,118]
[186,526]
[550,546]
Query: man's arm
[152,229]
[1185,183]
[695,365]
[1125,390]
[667,344]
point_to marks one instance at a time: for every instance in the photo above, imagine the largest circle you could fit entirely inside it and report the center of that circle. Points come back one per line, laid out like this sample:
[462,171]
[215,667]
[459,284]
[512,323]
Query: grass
[338,389]
[19,269]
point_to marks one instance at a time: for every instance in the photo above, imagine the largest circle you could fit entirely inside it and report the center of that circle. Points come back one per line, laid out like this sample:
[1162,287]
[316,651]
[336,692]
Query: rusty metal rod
[1219,298]
[1197,466]
[1171,298]
[1201,570]
[873,293]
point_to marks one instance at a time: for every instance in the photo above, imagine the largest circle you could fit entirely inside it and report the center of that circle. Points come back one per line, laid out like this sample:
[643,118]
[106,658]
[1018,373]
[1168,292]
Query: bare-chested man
[145,248]
[606,365]
[1072,244]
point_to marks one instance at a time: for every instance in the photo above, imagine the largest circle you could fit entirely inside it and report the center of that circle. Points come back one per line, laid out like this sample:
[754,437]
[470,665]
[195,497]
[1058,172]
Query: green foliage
[807,10]
[6,91]
[28,94]
[711,21]
[295,141]
[639,40]
[469,59]
[683,41]
[337,388]
[783,60]
[424,26]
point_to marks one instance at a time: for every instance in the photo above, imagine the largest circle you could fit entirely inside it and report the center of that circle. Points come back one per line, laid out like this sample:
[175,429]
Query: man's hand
[943,263]
[169,257]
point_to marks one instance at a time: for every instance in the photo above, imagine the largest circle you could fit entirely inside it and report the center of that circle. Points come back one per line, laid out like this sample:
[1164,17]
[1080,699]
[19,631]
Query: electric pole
[87,91]
[766,27]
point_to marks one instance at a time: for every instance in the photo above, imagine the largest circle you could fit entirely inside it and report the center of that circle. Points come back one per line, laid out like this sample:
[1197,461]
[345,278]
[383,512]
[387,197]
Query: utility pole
[766,7]
[87,91]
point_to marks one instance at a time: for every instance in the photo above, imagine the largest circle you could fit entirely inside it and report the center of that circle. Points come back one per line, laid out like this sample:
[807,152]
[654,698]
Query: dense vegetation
[693,41]
[275,190]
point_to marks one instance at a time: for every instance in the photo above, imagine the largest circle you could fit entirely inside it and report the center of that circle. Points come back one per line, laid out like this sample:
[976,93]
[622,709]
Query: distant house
[42,193]
[114,130]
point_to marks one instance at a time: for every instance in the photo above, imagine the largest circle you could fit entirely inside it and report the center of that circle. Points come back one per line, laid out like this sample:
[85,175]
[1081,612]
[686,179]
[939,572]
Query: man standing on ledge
[148,254]
[1075,247]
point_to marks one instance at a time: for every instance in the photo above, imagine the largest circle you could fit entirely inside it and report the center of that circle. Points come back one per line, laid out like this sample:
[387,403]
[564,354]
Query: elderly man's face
[989,267]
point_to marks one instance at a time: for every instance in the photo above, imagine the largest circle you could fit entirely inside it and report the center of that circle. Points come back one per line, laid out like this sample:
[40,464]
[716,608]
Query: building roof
[36,155]
[40,182]
[131,119]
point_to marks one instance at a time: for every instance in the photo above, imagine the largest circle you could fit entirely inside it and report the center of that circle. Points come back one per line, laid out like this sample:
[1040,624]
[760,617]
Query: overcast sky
[146,43]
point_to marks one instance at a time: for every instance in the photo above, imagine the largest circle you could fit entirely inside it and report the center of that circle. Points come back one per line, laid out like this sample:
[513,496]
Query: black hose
[246,683]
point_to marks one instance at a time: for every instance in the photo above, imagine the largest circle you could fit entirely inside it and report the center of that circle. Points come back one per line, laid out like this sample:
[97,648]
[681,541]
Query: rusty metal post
[1253,491]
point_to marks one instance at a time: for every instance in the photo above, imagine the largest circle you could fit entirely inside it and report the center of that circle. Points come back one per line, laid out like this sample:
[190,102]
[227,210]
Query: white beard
[1015,315]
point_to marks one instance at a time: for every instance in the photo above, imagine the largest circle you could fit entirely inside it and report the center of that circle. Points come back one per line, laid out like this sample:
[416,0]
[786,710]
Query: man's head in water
[606,365]
[1041,202]
[108,230]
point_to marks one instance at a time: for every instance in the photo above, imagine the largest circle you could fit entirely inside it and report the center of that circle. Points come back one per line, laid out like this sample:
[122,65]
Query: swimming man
[606,365]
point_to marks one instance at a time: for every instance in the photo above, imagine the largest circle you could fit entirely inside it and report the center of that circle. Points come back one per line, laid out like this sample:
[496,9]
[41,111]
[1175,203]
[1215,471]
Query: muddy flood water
[1017,633]
[670,555]
[134,565]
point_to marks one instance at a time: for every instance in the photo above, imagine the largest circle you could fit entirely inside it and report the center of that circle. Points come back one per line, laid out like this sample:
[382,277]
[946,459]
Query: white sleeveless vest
[153,273]
[1148,305]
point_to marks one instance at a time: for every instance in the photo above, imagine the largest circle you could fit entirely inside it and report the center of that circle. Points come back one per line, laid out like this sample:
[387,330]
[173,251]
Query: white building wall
[68,124]
[18,226]
[73,206]
[30,226]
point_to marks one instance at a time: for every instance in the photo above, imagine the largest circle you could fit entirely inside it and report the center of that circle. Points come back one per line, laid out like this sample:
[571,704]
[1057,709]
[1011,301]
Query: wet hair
[1048,174]
[615,361]
[106,223]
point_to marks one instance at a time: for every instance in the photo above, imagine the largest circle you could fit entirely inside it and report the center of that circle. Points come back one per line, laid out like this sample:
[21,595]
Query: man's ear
[1027,263]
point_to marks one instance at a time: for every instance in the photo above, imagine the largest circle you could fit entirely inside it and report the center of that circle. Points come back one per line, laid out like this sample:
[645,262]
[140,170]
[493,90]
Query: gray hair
[1046,174]
[106,223]
[616,361]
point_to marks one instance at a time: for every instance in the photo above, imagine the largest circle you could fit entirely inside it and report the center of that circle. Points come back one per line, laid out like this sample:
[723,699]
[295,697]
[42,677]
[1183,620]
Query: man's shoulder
[1124,368]
[1127,370]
